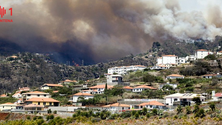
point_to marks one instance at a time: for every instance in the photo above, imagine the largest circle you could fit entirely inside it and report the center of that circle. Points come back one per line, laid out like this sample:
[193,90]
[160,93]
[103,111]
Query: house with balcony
[142,88]
[43,101]
[35,94]
[182,98]
[124,69]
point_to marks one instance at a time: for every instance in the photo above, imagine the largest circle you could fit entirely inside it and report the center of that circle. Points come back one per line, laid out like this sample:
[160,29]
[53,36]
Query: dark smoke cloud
[98,30]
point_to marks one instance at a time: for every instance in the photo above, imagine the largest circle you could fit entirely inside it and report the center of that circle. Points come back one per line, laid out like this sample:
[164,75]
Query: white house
[99,89]
[152,105]
[167,59]
[84,95]
[17,95]
[175,76]
[219,53]
[7,106]
[50,86]
[116,107]
[182,98]
[159,67]
[142,88]
[202,53]
[114,79]
[124,69]
[36,94]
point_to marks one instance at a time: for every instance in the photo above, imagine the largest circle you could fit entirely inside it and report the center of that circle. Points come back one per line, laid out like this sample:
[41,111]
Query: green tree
[212,106]
[188,110]
[179,109]
[154,111]
[144,111]
[197,100]
[200,113]
[196,109]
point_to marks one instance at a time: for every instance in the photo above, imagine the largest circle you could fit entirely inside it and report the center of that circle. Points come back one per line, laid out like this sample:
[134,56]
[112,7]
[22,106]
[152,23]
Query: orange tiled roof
[8,103]
[201,50]
[210,75]
[144,86]
[117,105]
[3,95]
[127,87]
[176,75]
[170,55]
[152,103]
[83,94]
[54,85]
[101,86]
[42,100]
[36,92]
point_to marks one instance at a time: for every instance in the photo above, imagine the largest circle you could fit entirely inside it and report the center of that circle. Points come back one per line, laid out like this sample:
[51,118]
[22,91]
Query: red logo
[3,12]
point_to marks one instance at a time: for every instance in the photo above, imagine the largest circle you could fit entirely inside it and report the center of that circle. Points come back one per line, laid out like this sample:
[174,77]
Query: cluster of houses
[167,61]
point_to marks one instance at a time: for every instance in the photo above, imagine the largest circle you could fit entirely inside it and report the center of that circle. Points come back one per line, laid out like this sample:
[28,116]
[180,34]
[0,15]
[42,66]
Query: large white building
[202,53]
[181,98]
[124,69]
[167,59]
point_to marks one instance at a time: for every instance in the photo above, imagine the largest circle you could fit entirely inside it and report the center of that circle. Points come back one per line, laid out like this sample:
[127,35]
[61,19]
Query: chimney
[213,93]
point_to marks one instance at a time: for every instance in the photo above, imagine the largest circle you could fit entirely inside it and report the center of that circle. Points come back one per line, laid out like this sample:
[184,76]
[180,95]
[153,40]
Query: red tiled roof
[218,95]
[54,85]
[83,94]
[201,50]
[170,55]
[101,86]
[36,92]
[175,75]
[210,75]
[144,86]
[42,100]
[3,95]
[152,103]
[8,103]
[117,105]
[127,87]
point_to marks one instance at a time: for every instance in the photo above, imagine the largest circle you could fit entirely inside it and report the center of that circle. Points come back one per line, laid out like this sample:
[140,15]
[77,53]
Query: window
[44,103]
[38,103]
[44,95]
[50,103]
[38,95]
[3,106]
[28,95]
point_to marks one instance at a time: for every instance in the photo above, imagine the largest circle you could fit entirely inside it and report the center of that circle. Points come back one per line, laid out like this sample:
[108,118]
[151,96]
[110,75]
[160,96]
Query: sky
[101,30]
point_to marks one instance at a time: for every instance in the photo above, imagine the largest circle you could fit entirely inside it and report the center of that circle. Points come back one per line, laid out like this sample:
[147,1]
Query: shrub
[154,111]
[196,109]
[200,113]
[137,115]
[179,109]
[28,117]
[144,111]
[49,111]
[55,112]
[125,115]
[148,115]
[188,110]
[212,106]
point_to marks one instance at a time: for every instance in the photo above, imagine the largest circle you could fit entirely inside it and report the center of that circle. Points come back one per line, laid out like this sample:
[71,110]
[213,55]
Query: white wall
[75,98]
[201,54]
[169,60]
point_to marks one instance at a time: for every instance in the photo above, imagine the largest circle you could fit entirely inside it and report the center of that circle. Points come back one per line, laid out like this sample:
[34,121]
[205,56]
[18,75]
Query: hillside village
[174,81]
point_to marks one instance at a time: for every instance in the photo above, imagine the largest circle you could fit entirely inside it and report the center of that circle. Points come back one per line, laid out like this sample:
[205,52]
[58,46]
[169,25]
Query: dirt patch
[3,116]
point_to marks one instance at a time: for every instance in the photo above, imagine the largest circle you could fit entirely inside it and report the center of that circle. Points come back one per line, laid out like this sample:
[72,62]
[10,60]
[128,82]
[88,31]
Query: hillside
[34,70]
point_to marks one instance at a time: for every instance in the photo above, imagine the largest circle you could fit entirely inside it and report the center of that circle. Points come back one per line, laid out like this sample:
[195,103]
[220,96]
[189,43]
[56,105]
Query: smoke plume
[99,30]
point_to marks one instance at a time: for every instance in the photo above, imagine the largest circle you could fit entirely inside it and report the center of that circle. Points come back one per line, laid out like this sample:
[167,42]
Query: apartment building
[124,69]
